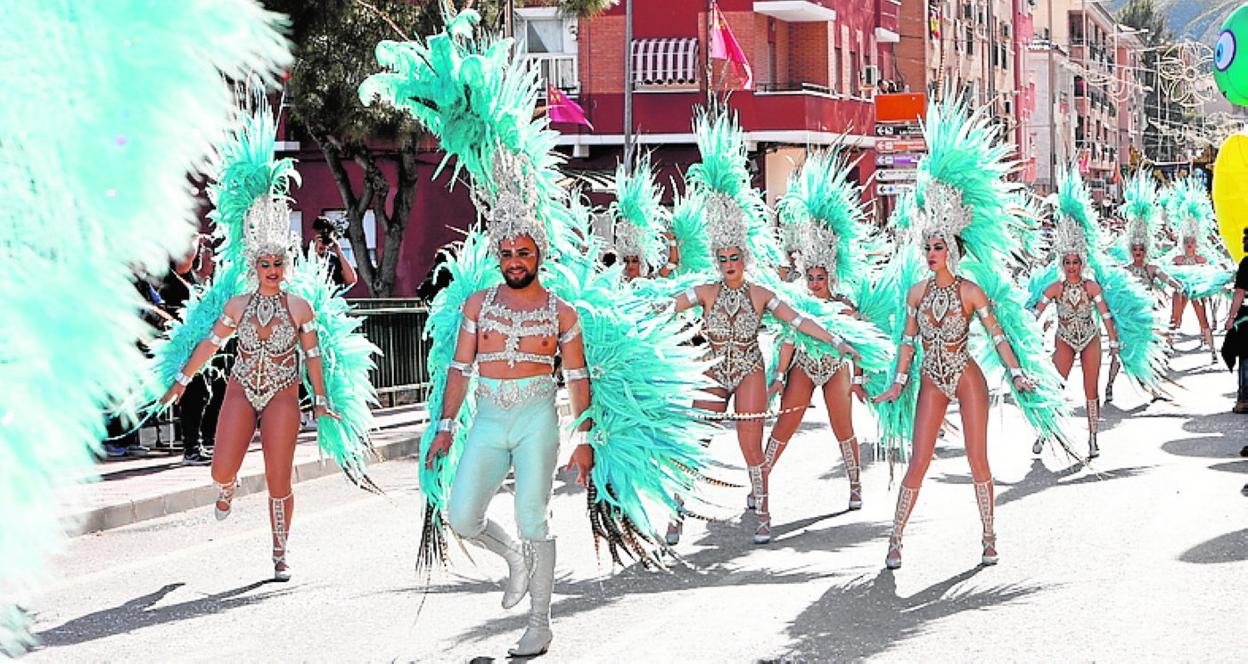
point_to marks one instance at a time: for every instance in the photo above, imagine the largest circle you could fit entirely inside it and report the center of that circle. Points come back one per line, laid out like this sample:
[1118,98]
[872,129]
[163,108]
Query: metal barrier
[395,326]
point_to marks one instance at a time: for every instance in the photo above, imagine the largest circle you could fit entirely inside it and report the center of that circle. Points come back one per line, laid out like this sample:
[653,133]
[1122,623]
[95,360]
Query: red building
[816,66]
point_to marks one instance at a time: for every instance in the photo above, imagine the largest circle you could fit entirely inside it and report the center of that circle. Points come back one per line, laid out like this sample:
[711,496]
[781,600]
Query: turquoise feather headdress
[1189,210]
[828,207]
[1076,231]
[639,217]
[961,188]
[1140,209]
[736,215]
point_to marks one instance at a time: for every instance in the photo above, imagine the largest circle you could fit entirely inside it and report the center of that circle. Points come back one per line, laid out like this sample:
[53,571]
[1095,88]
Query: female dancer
[274,328]
[733,308]
[829,234]
[964,163]
[1188,237]
[1077,331]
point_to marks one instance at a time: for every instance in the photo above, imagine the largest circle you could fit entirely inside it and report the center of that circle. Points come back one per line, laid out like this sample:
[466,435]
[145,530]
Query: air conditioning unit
[870,75]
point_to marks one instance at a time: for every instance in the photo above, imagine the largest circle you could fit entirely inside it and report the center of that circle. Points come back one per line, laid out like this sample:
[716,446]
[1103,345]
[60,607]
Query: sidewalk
[133,490]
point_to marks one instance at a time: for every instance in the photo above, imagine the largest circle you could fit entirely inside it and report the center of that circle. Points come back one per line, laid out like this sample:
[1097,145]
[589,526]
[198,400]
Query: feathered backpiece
[640,219]
[108,107]
[689,227]
[828,206]
[735,213]
[1141,210]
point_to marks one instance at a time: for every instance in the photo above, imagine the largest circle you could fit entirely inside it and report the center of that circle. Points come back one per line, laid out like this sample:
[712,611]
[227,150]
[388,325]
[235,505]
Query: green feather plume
[108,107]
[637,204]
[689,227]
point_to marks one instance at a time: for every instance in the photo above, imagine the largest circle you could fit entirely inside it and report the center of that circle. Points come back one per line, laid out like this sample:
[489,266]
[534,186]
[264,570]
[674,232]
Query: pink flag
[562,109]
[724,46]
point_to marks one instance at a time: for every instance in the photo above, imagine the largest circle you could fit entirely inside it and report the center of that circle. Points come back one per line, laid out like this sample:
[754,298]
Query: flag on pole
[562,109]
[724,46]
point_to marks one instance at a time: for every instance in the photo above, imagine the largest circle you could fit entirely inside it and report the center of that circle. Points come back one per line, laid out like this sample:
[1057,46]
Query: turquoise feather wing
[108,107]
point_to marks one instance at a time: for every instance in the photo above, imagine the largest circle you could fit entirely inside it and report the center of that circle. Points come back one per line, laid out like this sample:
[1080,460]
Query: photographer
[325,241]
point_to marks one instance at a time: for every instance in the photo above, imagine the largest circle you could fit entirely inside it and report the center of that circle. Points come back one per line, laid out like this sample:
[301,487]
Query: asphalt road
[1141,556]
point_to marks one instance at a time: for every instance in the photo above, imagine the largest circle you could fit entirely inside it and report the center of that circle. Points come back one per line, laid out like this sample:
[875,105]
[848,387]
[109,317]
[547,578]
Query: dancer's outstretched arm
[221,332]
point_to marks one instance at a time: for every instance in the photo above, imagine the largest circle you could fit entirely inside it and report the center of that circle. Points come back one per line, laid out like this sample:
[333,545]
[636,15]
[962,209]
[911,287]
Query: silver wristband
[446,425]
[183,379]
[319,401]
[902,378]
[1017,372]
[857,380]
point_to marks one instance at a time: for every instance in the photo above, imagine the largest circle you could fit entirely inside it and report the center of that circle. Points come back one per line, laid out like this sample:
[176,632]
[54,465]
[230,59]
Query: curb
[143,509]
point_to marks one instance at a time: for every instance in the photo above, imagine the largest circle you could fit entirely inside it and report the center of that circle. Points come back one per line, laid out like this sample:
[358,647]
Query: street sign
[895,175]
[900,145]
[899,129]
[900,159]
[885,189]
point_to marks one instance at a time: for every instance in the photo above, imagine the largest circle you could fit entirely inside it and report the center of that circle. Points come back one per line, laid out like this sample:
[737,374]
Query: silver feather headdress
[1068,239]
[510,209]
[266,229]
[943,216]
[726,223]
[1138,233]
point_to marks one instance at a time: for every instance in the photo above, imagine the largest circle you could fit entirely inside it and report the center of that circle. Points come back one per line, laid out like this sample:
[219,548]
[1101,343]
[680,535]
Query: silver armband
[1113,344]
[983,312]
[447,425]
[1098,299]
[572,333]
[902,378]
[228,322]
[573,375]
[908,339]
[797,322]
[307,327]
[773,304]
[670,266]
[1108,315]
[857,379]
[311,352]
[691,294]
[912,311]
[469,325]
[462,367]
[183,379]
[216,340]
[998,339]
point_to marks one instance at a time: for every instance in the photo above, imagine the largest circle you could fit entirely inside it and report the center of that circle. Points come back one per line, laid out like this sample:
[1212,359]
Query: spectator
[124,439]
[201,403]
[325,241]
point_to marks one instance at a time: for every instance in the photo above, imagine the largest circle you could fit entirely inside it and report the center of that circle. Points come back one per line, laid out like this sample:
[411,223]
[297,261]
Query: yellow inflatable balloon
[1230,192]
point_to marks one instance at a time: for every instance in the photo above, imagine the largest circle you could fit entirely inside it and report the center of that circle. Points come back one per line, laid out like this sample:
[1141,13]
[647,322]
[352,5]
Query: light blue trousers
[516,425]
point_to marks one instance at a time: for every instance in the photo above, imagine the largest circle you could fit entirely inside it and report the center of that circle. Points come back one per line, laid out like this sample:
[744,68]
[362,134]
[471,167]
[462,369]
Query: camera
[325,229]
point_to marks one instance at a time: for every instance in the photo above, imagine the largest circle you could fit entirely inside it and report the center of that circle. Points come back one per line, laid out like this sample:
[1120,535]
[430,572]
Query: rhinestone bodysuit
[516,325]
[732,329]
[944,328]
[1186,260]
[1142,273]
[823,369]
[1075,324]
[269,364]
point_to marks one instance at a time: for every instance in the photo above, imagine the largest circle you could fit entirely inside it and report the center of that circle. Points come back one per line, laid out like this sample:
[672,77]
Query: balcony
[561,70]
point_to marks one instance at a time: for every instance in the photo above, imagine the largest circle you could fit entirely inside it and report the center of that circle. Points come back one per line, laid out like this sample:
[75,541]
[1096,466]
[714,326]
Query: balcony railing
[561,70]
[781,88]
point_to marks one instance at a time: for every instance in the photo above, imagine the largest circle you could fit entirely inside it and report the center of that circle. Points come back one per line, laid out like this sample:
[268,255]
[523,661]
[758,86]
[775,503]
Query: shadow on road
[1040,478]
[137,614]
[1228,548]
[1211,447]
[1240,466]
[865,617]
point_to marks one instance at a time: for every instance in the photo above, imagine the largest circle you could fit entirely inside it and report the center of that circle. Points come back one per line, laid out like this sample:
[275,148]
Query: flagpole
[628,86]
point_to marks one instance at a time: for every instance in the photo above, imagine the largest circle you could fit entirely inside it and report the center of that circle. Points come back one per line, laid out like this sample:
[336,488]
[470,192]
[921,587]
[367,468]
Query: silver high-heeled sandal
[852,471]
[984,500]
[225,495]
[905,505]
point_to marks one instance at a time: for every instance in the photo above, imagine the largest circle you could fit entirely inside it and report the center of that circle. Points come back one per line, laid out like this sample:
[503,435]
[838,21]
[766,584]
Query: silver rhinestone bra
[516,325]
[1075,324]
[265,365]
[944,328]
[732,330]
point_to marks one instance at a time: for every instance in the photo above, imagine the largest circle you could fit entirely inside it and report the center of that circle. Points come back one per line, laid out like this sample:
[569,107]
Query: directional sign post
[889,189]
[900,160]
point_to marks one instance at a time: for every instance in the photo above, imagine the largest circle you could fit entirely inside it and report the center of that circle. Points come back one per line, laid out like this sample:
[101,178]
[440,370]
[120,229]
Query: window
[835,83]
[970,40]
